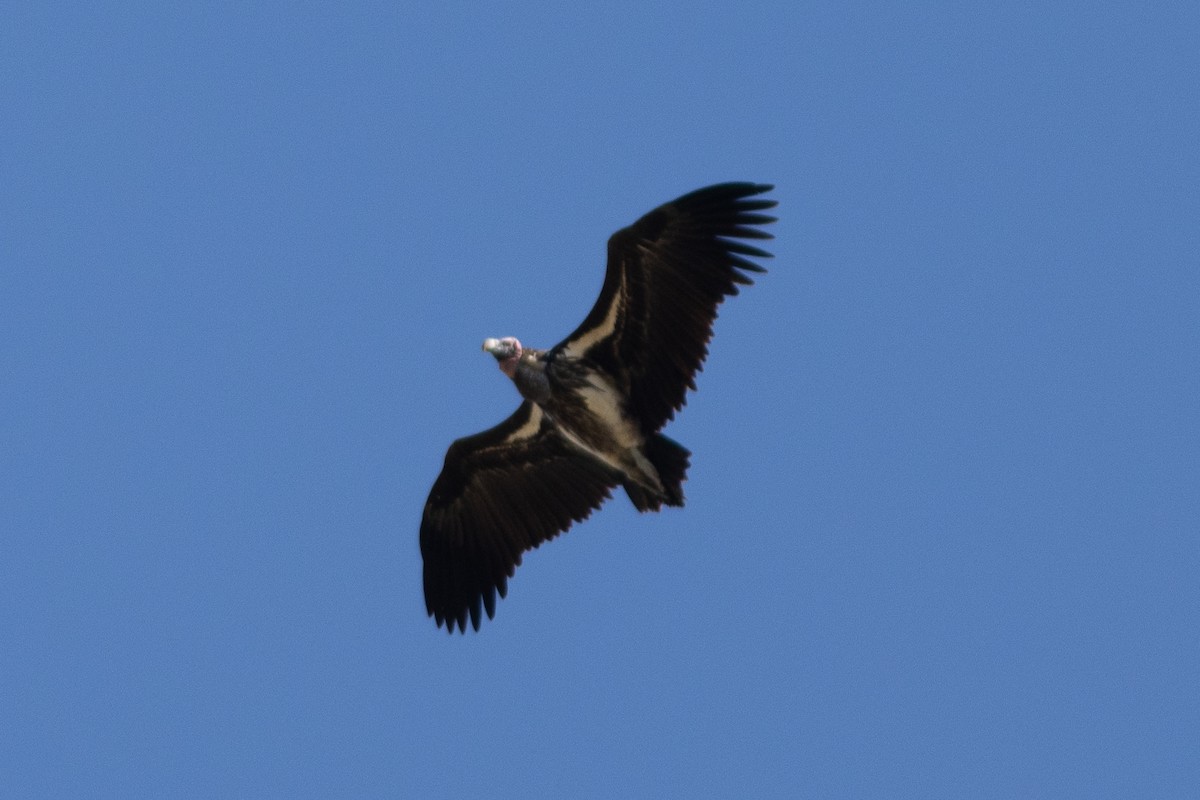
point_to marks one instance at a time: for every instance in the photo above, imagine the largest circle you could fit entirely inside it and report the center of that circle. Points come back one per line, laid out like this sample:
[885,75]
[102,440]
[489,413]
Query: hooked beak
[502,349]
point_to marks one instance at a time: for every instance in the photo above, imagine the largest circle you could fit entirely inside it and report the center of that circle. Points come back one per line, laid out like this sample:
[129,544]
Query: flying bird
[593,404]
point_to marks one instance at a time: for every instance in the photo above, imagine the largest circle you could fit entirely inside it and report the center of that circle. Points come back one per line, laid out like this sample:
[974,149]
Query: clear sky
[942,536]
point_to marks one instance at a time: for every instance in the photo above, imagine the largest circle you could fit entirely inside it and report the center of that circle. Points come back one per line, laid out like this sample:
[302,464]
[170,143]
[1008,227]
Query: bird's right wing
[500,493]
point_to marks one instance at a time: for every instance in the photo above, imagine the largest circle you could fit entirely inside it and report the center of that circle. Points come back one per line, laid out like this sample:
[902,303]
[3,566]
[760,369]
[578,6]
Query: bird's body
[590,412]
[593,404]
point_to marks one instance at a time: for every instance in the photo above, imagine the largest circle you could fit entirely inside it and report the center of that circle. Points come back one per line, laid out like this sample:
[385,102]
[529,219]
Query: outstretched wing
[500,493]
[667,273]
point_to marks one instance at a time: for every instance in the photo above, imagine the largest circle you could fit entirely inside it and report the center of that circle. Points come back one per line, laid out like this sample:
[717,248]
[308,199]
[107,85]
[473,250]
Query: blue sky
[942,528]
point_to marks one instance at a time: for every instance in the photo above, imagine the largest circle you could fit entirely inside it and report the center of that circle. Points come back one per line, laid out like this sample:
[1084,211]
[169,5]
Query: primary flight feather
[593,404]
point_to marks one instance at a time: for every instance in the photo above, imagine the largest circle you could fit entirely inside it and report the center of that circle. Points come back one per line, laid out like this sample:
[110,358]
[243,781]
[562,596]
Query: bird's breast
[591,411]
[531,381]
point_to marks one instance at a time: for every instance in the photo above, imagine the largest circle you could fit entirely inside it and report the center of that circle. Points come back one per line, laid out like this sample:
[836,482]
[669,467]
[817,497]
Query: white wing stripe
[577,348]
[529,429]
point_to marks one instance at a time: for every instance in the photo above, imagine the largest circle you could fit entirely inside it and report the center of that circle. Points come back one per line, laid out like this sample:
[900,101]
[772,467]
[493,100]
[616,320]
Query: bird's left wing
[500,493]
[666,275]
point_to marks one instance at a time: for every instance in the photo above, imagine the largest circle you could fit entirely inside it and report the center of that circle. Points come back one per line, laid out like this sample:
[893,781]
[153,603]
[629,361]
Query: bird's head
[506,351]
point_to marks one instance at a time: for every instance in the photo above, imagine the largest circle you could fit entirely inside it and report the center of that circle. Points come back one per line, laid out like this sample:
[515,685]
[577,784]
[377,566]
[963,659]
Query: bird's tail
[670,460]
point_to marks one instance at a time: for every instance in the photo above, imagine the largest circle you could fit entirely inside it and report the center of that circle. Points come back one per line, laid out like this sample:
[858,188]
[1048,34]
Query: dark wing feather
[667,273]
[500,493]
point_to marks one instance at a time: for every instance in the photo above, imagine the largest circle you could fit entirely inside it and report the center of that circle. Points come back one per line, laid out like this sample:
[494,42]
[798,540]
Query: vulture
[593,404]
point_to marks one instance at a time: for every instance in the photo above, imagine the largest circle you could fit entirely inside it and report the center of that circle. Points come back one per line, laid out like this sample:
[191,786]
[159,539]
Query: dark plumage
[593,404]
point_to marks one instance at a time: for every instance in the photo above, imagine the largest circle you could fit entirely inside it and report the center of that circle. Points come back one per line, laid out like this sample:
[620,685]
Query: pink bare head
[507,351]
